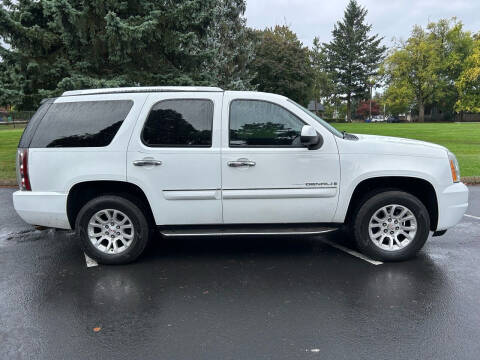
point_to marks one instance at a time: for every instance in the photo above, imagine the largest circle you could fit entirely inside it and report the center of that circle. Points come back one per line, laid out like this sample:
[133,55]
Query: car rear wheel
[112,230]
[391,226]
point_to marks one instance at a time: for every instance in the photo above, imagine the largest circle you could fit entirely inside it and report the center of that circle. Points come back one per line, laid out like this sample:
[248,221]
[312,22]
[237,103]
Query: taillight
[22,170]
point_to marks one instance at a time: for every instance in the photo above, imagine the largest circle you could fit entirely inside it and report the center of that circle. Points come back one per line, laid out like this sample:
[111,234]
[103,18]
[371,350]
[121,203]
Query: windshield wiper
[348,136]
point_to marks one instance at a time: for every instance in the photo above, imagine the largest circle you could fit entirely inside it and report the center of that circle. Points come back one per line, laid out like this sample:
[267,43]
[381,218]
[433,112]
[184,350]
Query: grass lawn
[8,150]
[10,126]
[462,139]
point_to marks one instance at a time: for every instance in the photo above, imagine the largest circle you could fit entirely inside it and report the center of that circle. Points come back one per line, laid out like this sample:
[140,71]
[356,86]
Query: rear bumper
[42,208]
[452,204]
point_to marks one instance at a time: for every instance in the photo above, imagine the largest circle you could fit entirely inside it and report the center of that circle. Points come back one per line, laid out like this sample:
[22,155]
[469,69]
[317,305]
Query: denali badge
[333,183]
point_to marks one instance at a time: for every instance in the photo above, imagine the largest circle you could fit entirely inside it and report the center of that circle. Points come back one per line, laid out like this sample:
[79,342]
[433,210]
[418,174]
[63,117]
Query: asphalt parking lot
[238,298]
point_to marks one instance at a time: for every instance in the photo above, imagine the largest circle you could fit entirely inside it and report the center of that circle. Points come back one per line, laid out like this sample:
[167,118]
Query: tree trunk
[421,112]
[349,113]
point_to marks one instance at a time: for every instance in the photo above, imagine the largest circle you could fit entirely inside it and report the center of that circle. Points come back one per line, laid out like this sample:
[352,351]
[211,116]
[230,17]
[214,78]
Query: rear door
[174,156]
[268,176]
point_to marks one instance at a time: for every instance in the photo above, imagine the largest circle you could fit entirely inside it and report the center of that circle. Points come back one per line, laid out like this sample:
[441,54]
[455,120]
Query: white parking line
[352,252]
[471,216]
[90,262]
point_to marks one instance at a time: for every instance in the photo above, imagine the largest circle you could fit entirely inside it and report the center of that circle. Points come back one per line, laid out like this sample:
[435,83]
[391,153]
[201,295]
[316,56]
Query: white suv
[117,164]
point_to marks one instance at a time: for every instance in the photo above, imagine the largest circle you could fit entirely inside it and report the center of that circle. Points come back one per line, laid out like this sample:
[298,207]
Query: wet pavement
[238,298]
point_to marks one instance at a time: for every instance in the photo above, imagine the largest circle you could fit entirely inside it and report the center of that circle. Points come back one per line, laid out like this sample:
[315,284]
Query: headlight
[454,167]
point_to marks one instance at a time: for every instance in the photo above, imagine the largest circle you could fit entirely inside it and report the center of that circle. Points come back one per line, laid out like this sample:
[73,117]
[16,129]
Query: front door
[267,175]
[174,157]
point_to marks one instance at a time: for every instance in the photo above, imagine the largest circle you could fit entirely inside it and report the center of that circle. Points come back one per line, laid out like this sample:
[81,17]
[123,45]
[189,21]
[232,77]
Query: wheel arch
[80,193]
[421,188]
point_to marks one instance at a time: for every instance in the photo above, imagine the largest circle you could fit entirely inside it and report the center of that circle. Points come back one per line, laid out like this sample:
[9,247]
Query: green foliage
[353,56]
[282,64]
[468,84]
[232,46]
[58,45]
[455,46]
[424,69]
[398,97]
[413,68]
[323,88]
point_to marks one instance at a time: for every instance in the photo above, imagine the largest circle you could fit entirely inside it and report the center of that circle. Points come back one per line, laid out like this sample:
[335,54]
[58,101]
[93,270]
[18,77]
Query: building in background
[316,107]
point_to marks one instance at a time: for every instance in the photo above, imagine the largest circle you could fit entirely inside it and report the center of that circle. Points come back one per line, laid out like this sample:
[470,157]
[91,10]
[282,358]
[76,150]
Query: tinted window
[185,122]
[261,123]
[29,131]
[81,124]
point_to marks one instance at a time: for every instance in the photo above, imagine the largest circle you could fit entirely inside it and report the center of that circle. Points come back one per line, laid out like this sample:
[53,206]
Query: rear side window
[179,123]
[81,124]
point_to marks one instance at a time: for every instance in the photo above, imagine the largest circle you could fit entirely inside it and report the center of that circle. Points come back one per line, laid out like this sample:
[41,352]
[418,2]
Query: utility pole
[370,103]
[371,84]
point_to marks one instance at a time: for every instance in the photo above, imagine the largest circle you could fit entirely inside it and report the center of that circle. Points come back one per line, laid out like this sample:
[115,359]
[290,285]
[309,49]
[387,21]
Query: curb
[8,183]
[471,180]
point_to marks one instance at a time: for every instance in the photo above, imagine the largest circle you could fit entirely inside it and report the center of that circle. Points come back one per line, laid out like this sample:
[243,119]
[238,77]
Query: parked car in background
[378,118]
[118,164]
[393,119]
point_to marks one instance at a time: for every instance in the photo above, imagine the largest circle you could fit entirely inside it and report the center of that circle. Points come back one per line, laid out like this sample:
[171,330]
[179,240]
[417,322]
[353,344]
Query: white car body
[378,118]
[196,186]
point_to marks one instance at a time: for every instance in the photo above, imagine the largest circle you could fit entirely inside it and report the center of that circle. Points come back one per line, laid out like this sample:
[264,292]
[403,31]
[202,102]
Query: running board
[247,230]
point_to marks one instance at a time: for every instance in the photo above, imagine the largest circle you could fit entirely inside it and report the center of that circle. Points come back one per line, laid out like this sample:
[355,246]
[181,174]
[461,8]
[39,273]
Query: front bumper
[452,204]
[42,208]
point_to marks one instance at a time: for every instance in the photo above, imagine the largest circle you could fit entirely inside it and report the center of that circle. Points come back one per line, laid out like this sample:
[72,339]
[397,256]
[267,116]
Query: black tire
[141,229]
[376,201]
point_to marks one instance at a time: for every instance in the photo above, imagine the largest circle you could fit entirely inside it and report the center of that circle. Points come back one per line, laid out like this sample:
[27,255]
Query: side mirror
[310,138]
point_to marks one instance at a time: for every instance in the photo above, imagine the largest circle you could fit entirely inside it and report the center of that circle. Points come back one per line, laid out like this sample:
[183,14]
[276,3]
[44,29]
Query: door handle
[147,162]
[241,162]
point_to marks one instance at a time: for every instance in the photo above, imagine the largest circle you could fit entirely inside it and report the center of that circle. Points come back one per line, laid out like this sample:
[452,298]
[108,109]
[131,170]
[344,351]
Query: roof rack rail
[142,89]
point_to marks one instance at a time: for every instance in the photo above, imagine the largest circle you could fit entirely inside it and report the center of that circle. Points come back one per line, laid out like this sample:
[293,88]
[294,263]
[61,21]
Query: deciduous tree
[455,46]
[468,84]
[425,68]
[282,64]
[363,108]
[413,69]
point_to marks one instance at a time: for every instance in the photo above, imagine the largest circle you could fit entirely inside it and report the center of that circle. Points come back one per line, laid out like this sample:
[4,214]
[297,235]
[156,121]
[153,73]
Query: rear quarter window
[29,131]
[81,124]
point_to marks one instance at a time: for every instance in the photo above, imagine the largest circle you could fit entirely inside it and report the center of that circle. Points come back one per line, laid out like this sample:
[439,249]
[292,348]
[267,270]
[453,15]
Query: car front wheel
[391,226]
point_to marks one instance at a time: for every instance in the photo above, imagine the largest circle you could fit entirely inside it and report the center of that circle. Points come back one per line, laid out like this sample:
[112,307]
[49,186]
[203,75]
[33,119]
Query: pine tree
[57,45]
[353,56]
[231,44]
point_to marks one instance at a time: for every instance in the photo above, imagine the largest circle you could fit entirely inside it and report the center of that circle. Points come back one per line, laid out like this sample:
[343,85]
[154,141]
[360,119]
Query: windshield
[319,120]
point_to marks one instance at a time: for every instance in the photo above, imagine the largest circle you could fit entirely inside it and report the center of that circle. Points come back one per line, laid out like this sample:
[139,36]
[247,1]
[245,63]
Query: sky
[389,18]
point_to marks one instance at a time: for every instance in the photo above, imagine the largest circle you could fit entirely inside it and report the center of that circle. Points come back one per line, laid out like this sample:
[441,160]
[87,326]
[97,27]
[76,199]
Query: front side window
[255,123]
[81,124]
[179,123]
